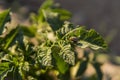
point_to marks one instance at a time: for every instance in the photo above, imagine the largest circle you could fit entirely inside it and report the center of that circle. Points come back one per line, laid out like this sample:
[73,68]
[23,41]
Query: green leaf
[67,54]
[4,70]
[82,68]
[4,17]
[2,53]
[64,14]
[92,39]
[44,56]
[29,31]
[13,36]
[84,38]
[98,70]
[61,65]
[67,27]
[53,19]
[46,5]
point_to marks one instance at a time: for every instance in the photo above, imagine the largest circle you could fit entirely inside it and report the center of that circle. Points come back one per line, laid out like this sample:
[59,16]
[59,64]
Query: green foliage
[5,69]
[44,56]
[98,70]
[92,39]
[82,68]
[11,38]
[55,50]
[67,54]
[4,17]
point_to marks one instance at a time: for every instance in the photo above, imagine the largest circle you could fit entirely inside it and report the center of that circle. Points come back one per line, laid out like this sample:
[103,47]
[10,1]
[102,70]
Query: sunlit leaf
[64,14]
[44,56]
[13,36]
[61,64]
[46,5]
[53,19]
[67,27]
[4,17]
[84,38]
[55,16]
[92,39]
[67,54]
[29,31]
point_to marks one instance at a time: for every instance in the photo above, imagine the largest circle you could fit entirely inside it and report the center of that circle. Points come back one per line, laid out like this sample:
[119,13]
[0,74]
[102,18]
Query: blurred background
[102,15]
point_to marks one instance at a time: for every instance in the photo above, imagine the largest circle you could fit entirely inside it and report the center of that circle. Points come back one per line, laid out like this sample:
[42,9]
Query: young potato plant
[52,55]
